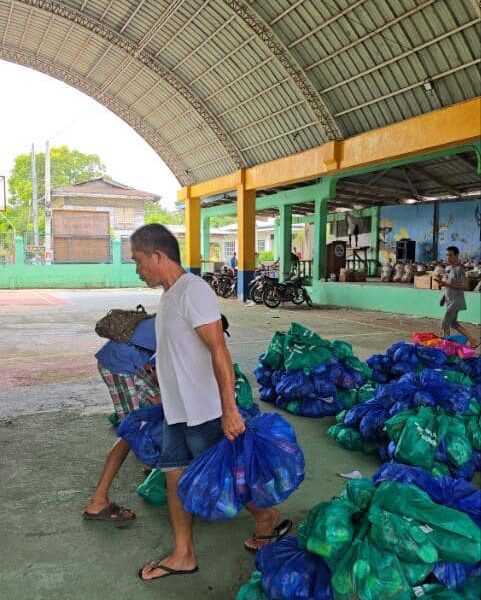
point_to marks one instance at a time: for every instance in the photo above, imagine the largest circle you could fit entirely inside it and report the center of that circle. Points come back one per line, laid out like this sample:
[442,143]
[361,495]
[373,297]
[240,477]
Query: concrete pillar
[285,240]
[192,233]
[374,241]
[327,190]
[205,238]
[19,251]
[246,241]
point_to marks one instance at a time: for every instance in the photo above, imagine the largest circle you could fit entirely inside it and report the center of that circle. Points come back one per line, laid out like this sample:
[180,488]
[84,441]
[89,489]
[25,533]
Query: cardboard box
[422,282]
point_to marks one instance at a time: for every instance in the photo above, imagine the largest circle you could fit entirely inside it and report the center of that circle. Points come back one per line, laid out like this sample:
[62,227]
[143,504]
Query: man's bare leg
[113,462]
[266,520]
[462,330]
[183,556]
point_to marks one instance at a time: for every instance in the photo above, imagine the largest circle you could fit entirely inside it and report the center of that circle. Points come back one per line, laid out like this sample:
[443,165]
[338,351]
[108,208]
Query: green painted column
[327,190]
[285,240]
[205,238]
[277,236]
[374,242]
[19,251]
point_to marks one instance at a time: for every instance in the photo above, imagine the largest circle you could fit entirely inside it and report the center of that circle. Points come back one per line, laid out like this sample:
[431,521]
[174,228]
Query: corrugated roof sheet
[217,85]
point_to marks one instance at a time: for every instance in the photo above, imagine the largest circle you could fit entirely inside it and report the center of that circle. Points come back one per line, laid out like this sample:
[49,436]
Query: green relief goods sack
[252,590]
[328,529]
[359,492]
[306,357]
[358,365]
[154,489]
[458,377]
[402,536]
[347,397]
[274,356]
[364,572]
[366,392]
[395,425]
[341,349]
[473,431]
[419,439]
[307,336]
[243,391]
[346,437]
[458,446]
[456,537]
[415,572]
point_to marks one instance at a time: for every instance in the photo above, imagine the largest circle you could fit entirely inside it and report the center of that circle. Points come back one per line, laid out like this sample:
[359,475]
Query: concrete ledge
[396,299]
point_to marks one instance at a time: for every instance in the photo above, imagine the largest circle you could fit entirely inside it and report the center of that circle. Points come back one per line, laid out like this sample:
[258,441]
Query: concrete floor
[54,436]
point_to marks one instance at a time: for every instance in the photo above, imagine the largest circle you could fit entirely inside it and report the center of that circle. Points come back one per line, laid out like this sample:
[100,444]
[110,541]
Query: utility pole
[48,207]
[34,200]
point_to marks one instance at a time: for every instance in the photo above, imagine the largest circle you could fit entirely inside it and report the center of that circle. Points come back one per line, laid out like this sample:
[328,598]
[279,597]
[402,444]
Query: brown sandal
[112,512]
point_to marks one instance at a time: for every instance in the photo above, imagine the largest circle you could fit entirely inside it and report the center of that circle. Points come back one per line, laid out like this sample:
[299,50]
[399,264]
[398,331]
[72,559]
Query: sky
[35,107]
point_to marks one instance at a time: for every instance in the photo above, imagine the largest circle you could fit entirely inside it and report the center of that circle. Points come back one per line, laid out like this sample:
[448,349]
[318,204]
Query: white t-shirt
[188,386]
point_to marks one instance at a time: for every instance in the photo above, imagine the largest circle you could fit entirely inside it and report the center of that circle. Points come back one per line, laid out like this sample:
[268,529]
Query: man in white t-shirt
[196,380]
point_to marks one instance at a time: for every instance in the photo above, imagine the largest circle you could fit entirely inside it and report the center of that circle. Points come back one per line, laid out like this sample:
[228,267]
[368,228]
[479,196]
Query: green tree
[155,213]
[66,167]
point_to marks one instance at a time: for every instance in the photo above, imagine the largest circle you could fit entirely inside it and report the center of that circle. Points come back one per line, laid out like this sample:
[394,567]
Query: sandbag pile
[308,375]
[423,420]
[396,541]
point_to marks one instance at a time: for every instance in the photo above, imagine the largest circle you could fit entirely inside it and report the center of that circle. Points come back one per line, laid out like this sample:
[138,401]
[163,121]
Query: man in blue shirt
[233,262]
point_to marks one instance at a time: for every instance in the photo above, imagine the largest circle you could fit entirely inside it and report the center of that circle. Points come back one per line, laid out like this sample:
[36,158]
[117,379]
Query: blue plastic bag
[274,462]
[289,573]
[324,388]
[372,423]
[431,357]
[455,493]
[251,412]
[295,384]
[267,394]
[142,430]
[214,484]
[453,575]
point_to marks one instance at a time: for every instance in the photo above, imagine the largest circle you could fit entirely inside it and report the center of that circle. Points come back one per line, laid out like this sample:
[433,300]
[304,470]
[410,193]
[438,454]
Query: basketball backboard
[3,196]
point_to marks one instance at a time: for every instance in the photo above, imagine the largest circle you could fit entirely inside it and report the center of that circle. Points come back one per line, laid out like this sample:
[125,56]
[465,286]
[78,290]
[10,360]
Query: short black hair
[153,237]
[453,249]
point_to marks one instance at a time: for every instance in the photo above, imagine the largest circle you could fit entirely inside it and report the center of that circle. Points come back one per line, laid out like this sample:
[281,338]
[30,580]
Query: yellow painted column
[246,237]
[192,233]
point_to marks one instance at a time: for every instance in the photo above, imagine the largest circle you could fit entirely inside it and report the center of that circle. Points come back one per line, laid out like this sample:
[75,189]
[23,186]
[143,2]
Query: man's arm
[213,337]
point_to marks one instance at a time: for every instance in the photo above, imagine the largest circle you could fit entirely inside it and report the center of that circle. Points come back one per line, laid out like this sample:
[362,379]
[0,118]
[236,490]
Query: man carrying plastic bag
[196,381]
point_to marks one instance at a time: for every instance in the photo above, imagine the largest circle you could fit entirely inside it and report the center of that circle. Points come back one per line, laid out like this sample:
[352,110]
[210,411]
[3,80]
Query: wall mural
[459,225]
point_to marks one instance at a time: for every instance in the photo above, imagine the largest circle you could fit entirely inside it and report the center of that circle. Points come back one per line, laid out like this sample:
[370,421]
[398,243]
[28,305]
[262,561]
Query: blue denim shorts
[181,444]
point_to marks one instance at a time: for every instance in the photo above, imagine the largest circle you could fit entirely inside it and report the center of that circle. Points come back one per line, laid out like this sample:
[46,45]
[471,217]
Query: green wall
[393,299]
[114,275]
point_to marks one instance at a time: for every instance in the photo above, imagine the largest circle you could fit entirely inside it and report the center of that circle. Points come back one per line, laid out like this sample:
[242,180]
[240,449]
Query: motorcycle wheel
[256,294]
[298,297]
[225,289]
[307,298]
[271,298]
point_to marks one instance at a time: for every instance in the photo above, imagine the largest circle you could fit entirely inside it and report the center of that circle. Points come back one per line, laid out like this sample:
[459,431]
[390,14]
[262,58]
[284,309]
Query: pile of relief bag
[414,530]
[308,375]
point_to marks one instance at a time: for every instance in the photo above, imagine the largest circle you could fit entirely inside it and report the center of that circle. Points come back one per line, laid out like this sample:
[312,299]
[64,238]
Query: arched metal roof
[215,85]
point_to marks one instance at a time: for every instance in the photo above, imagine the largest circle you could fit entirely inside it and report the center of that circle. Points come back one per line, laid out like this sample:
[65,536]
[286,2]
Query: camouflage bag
[119,324]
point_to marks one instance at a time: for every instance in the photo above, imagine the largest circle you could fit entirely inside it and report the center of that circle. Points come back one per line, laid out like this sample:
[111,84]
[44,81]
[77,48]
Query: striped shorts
[130,392]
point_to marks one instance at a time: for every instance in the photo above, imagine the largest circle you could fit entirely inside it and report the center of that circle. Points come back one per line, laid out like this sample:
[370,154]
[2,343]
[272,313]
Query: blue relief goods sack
[454,575]
[214,485]
[265,465]
[142,430]
[289,573]
[274,462]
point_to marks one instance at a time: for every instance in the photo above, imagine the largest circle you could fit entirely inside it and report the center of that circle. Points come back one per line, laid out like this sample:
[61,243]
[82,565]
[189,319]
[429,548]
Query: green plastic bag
[415,573]
[454,534]
[252,590]
[473,431]
[243,390]
[355,363]
[435,591]
[440,470]
[347,397]
[405,538]
[341,349]
[458,377]
[114,419]
[458,445]
[303,334]
[395,425]
[306,357]
[274,356]
[419,439]
[364,572]
[328,529]
[366,392]
[346,437]
[359,492]
[154,489]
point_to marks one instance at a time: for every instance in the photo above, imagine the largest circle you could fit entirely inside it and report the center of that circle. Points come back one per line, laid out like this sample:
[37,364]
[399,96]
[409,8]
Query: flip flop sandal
[112,513]
[157,565]
[278,533]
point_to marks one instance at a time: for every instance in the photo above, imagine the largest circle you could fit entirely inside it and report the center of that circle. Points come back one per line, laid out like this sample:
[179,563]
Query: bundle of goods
[423,420]
[264,465]
[394,541]
[308,375]
[454,345]
[243,395]
[401,358]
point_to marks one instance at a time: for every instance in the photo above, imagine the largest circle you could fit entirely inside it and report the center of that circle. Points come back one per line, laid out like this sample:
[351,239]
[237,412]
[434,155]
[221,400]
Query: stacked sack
[308,375]
[424,420]
[395,541]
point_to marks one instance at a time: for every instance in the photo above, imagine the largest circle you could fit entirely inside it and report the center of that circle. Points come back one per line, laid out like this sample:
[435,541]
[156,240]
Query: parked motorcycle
[291,290]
